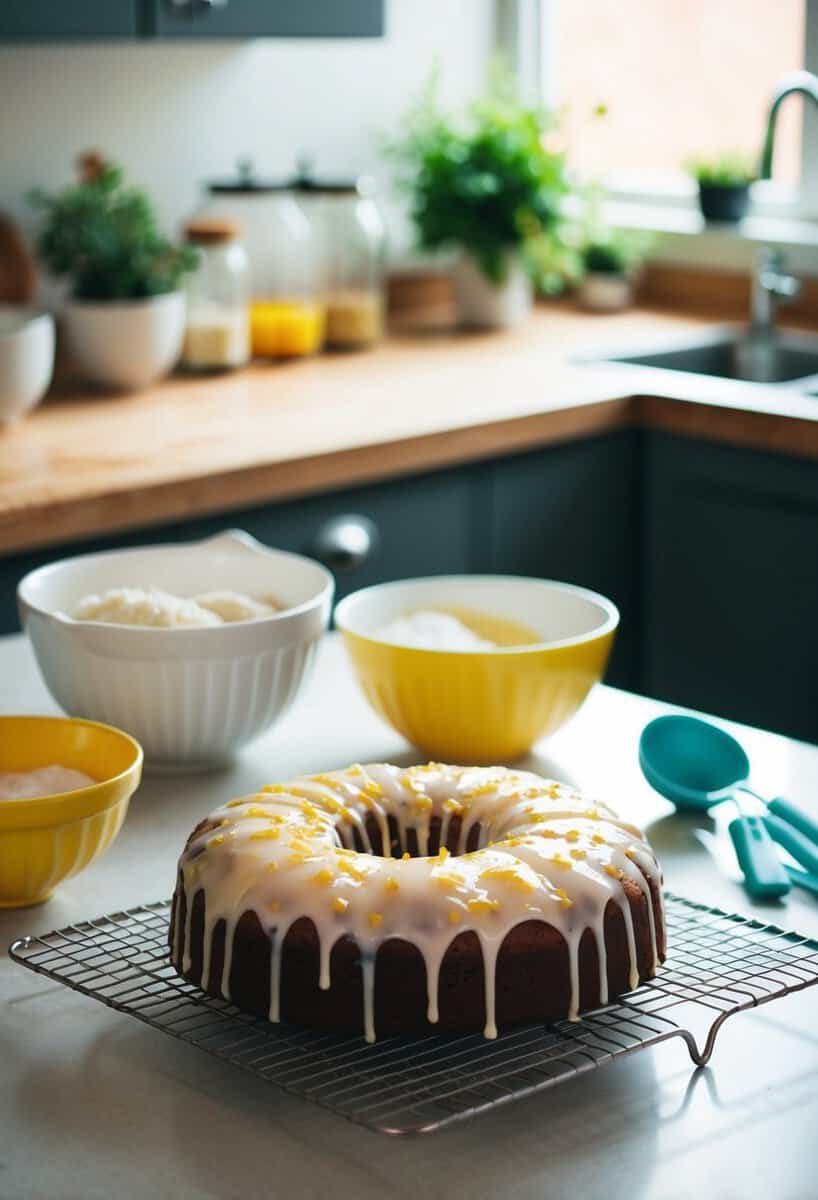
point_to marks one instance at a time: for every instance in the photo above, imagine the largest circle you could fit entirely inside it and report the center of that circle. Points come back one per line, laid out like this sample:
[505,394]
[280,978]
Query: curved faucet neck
[803,83]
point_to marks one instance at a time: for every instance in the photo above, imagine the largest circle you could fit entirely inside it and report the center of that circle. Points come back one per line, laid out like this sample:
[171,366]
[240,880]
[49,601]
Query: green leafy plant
[103,235]
[728,170]
[613,252]
[487,182]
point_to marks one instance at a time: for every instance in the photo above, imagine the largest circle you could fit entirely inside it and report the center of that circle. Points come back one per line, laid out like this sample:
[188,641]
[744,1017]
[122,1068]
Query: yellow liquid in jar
[500,630]
[285,328]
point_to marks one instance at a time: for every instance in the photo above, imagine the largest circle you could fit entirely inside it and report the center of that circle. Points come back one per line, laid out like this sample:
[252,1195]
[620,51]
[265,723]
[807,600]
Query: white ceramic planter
[485,305]
[126,344]
[26,359]
[604,291]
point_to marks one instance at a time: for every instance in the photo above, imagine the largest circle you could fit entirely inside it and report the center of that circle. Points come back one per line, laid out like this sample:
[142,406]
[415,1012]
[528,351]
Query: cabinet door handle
[345,542]
[197,6]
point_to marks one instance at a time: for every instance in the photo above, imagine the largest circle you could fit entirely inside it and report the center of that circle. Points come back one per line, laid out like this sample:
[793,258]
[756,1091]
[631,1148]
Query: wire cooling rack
[719,964]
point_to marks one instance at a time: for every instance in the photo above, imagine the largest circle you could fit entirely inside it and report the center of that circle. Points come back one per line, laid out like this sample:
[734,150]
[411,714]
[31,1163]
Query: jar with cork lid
[217,335]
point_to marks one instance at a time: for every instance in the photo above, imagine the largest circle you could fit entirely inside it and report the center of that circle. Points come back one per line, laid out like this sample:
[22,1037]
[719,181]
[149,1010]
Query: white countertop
[95,1106]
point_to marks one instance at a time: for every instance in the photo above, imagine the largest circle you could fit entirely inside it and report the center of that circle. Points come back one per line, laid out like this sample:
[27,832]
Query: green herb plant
[487,183]
[102,234]
[613,252]
[728,170]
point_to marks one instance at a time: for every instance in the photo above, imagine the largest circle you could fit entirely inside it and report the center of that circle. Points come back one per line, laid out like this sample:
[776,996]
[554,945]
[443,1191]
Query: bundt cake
[385,900]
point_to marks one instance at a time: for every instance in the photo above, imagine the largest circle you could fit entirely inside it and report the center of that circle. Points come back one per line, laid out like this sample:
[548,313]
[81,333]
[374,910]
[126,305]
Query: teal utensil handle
[801,848]
[805,824]
[764,874]
[803,879]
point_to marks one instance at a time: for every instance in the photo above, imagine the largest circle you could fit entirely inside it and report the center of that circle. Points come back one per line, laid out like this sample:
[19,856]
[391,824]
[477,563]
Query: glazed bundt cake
[388,900]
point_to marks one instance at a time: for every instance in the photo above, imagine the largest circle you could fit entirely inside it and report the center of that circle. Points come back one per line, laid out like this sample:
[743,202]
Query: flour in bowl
[153,607]
[44,781]
[432,631]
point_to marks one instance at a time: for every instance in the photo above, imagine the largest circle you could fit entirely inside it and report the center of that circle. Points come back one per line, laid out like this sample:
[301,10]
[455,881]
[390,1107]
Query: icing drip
[545,853]
[229,930]
[602,951]
[573,974]
[368,971]
[490,951]
[625,909]
[186,959]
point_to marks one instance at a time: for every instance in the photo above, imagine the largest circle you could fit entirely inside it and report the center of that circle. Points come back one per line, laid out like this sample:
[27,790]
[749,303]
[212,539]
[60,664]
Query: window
[690,78]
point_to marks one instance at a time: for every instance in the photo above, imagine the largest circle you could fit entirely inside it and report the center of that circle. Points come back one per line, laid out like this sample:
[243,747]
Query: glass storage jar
[352,240]
[286,316]
[217,333]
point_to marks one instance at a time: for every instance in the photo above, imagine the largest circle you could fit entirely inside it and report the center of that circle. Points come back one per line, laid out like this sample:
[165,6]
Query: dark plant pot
[724,203]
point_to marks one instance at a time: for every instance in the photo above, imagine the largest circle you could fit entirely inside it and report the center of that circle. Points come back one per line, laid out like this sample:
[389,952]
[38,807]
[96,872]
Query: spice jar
[217,335]
[286,316]
[351,236]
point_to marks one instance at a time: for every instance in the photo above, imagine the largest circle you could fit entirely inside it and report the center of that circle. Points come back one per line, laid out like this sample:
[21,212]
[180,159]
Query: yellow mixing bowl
[45,839]
[480,706]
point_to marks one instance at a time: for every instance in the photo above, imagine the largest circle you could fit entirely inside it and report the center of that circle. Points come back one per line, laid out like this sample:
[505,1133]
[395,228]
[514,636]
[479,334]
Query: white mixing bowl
[191,697]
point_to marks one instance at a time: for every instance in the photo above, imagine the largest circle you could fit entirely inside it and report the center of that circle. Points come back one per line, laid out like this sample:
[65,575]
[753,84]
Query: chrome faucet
[802,83]
[771,282]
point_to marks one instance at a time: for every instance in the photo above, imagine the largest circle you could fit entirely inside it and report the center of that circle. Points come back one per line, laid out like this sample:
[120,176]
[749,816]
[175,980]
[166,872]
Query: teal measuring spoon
[695,765]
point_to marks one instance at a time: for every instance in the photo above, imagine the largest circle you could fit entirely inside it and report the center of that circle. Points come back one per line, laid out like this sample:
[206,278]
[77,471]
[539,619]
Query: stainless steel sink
[735,354]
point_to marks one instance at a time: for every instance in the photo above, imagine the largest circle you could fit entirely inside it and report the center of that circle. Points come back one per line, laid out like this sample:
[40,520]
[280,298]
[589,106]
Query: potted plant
[125,319]
[609,260]
[724,186]
[488,187]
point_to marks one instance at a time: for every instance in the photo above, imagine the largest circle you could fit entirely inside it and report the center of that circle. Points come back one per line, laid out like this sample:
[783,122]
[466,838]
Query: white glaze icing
[545,853]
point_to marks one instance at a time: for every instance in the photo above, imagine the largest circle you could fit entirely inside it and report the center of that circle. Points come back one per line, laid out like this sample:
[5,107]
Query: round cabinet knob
[346,542]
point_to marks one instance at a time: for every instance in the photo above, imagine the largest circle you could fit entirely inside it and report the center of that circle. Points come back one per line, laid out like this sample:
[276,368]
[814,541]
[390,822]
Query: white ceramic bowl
[26,359]
[191,697]
[126,344]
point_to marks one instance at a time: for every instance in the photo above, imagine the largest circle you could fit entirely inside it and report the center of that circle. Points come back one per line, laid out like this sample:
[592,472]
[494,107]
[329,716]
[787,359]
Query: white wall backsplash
[177,114]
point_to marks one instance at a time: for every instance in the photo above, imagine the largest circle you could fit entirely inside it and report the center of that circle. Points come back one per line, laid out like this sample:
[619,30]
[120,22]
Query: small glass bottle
[352,240]
[217,335]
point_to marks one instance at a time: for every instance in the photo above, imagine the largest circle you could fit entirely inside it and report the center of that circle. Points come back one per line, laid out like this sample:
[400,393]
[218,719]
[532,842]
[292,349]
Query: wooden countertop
[86,465]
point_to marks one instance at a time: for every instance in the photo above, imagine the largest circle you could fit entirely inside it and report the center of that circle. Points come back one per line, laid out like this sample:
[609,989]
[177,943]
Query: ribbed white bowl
[191,697]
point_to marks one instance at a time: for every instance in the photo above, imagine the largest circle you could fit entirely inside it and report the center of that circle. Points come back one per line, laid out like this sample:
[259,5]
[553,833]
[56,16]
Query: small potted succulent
[609,261]
[724,186]
[125,317]
[488,187]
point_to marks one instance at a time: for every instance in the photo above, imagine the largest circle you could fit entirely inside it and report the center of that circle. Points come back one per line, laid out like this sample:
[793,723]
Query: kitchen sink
[735,354]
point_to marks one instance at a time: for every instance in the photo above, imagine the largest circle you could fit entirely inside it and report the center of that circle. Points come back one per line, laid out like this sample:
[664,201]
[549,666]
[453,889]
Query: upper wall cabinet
[43,20]
[267,18]
[78,20]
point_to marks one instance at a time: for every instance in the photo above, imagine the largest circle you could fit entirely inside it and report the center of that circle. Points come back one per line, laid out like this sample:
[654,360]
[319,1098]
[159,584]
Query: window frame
[525,35]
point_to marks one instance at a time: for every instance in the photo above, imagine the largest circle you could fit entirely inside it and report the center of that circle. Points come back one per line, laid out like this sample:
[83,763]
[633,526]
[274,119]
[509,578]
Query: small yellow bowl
[45,839]
[480,706]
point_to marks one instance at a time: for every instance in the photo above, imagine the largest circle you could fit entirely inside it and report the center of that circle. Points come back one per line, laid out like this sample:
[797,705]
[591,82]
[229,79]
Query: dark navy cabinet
[266,18]
[710,552]
[53,20]
[569,512]
[423,525]
[730,583]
